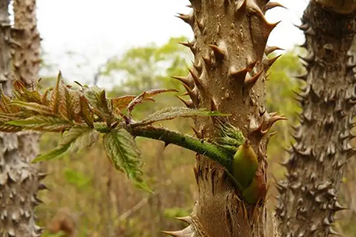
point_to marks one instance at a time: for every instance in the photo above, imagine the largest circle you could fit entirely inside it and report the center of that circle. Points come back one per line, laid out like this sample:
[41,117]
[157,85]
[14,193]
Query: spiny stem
[202,147]
[168,136]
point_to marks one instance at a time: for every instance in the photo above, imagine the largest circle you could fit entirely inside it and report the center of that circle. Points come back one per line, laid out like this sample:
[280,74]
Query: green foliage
[176,212]
[76,178]
[147,67]
[282,85]
[59,234]
[75,139]
[81,114]
[124,154]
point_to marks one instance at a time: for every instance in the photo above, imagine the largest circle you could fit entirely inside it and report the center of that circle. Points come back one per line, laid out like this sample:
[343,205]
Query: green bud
[244,165]
[256,191]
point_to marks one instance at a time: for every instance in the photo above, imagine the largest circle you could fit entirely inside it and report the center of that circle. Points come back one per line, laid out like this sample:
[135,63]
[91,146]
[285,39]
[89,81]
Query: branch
[202,147]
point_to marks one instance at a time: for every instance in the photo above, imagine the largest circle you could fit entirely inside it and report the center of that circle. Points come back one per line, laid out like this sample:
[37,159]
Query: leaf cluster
[81,114]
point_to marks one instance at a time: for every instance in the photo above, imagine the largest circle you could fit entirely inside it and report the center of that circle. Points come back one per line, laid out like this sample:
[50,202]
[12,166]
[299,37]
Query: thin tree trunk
[308,197]
[228,75]
[19,181]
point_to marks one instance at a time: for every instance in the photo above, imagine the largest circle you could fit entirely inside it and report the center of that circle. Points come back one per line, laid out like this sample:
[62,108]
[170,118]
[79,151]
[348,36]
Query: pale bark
[19,181]
[308,197]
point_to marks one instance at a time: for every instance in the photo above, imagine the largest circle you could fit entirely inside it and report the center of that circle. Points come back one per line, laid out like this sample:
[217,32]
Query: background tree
[18,178]
[308,203]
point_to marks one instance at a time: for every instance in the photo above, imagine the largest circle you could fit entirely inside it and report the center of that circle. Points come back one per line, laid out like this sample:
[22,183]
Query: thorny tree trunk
[229,75]
[308,202]
[19,181]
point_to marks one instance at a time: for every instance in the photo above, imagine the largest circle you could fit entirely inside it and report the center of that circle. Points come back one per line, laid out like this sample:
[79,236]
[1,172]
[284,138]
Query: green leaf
[175,112]
[5,117]
[33,107]
[74,140]
[80,138]
[42,123]
[56,153]
[97,99]
[122,151]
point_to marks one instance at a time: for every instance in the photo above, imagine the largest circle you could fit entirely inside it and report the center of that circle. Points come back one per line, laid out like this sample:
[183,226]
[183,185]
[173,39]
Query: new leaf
[75,139]
[122,151]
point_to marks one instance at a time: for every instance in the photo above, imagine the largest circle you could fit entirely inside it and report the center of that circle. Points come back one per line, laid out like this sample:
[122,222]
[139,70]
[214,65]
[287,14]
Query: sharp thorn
[252,80]
[187,103]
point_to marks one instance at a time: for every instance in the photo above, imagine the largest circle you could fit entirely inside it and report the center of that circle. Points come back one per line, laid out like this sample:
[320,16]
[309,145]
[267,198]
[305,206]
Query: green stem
[200,146]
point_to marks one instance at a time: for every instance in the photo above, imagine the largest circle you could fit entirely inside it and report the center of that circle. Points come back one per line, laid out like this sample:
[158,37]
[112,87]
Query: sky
[80,35]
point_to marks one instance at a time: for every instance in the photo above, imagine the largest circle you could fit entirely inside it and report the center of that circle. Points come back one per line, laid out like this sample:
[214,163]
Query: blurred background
[128,47]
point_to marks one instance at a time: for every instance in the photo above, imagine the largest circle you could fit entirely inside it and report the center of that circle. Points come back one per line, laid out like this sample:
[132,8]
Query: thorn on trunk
[268,27]
[187,18]
[271,61]
[271,49]
[252,80]
[186,219]
[193,93]
[213,105]
[42,186]
[303,27]
[185,81]
[188,103]
[240,6]
[219,53]
[309,31]
[309,58]
[197,134]
[190,45]
[240,74]
[41,176]
[302,77]
[197,81]
[271,5]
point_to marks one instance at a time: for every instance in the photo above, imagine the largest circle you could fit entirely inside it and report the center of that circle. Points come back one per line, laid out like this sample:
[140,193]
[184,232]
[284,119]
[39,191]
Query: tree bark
[19,180]
[228,75]
[308,197]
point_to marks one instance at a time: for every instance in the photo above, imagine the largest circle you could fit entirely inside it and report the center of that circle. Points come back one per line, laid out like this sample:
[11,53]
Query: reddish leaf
[100,105]
[22,93]
[86,112]
[123,101]
[146,95]
[57,94]
[44,97]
